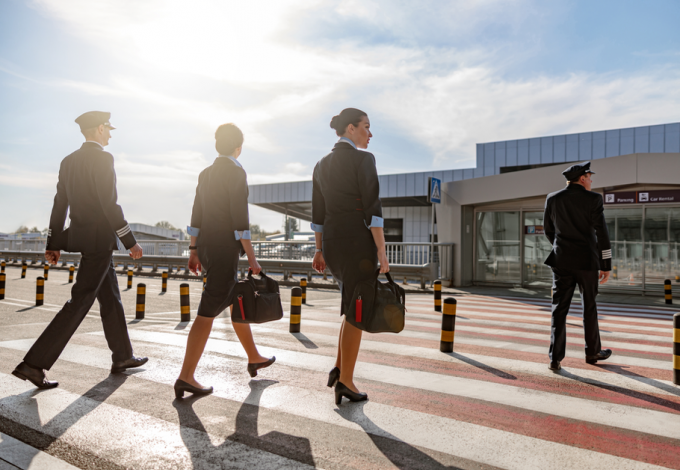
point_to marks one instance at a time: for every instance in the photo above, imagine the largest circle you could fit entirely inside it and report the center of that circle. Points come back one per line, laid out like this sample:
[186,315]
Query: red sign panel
[643,197]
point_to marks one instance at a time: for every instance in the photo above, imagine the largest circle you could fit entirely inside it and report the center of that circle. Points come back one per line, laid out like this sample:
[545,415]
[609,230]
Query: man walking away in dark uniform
[581,255]
[87,185]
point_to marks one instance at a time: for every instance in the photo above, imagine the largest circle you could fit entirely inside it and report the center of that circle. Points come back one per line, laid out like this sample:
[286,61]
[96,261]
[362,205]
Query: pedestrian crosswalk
[492,403]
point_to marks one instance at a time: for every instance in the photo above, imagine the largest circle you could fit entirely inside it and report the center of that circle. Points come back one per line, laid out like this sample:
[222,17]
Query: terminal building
[493,213]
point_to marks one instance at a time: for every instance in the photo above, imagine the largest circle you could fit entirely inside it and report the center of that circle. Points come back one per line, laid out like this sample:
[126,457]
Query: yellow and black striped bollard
[2,266]
[295,309]
[164,281]
[676,349]
[71,270]
[448,325]
[437,296]
[667,292]
[303,287]
[184,303]
[46,269]
[615,272]
[40,291]
[677,278]
[205,279]
[130,274]
[24,267]
[141,301]
[2,285]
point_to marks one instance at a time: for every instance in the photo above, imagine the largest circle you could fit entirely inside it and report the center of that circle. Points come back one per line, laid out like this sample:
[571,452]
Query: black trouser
[96,279]
[564,283]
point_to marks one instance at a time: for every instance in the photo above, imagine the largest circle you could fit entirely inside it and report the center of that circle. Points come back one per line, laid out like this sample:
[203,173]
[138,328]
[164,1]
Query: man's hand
[194,263]
[52,256]
[604,276]
[136,251]
[319,263]
[384,265]
[254,265]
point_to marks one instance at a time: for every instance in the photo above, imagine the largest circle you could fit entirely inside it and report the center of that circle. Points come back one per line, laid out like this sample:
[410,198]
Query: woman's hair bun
[346,117]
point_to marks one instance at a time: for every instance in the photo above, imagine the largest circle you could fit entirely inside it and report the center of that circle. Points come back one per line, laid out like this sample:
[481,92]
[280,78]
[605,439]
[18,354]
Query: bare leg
[338,360]
[245,336]
[349,345]
[198,336]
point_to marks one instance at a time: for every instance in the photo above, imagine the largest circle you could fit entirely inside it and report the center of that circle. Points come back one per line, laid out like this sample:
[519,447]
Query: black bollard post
[184,303]
[40,291]
[24,266]
[437,296]
[676,349]
[130,273]
[2,266]
[205,279]
[141,301]
[2,285]
[46,269]
[164,282]
[71,270]
[295,309]
[667,292]
[448,325]
[303,288]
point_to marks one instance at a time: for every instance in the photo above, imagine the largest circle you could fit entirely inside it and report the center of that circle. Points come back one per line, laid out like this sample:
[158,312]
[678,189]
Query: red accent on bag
[240,303]
[358,310]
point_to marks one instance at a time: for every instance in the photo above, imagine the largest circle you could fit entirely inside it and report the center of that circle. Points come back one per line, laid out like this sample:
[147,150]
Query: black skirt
[221,266]
[350,261]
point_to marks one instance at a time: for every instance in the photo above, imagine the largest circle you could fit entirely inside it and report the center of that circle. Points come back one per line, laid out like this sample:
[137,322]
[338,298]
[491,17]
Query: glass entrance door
[536,250]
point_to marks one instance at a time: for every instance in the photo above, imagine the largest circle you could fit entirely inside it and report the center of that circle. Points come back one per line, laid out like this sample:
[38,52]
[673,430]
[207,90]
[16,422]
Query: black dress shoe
[34,375]
[253,368]
[601,356]
[342,391]
[181,386]
[554,365]
[333,376]
[129,364]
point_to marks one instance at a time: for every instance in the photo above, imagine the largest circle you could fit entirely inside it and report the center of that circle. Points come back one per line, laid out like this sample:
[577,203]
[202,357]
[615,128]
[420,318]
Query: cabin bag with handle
[256,300]
[378,307]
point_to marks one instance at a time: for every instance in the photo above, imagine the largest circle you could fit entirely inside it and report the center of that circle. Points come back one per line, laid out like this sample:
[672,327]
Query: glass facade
[497,247]
[645,247]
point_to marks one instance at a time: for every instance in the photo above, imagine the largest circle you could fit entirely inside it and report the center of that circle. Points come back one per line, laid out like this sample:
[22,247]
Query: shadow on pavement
[617,369]
[201,448]
[182,325]
[484,367]
[402,455]
[308,343]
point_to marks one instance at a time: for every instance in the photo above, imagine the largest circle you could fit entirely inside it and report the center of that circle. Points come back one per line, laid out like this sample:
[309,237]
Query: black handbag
[256,300]
[378,307]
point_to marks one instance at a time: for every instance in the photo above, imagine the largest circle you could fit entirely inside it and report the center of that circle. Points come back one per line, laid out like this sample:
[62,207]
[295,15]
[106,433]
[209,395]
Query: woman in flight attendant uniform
[348,225]
[219,235]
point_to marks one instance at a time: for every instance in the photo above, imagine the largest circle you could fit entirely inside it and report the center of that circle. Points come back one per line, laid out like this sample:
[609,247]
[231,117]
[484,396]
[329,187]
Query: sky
[435,77]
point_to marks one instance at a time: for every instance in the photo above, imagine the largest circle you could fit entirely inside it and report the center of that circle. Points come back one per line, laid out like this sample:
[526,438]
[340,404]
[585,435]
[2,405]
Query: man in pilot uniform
[87,185]
[581,255]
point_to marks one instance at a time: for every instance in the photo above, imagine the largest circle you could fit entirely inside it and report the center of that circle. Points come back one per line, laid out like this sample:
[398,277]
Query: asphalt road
[492,403]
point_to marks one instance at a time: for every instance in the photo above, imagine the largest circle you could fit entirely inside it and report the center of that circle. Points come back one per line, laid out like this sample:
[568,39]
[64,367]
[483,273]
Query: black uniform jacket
[345,195]
[87,186]
[575,225]
[221,204]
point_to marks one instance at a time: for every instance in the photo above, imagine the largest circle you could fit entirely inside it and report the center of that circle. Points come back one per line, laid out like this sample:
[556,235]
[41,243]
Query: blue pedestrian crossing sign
[435,193]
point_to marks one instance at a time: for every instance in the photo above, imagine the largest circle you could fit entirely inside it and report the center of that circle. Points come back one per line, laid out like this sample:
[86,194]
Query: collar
[349,141]
[232,159]
[93,142]
[576,187]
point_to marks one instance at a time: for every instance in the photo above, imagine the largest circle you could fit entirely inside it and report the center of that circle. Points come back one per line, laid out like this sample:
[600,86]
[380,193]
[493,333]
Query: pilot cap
[93,119]
[576,171]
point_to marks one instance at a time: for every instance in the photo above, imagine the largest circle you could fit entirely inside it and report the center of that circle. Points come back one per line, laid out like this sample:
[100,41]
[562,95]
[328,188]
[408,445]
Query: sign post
[434,196]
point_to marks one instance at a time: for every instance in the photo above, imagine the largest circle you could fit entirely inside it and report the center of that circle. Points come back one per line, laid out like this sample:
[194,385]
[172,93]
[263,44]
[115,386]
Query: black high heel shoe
[181,386]
[253,367]
[333,376]
[342,391]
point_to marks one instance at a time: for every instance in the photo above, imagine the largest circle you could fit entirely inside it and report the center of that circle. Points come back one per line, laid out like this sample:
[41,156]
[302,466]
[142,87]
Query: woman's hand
[194,264]
[384,265]
[319,263]
[254,265]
